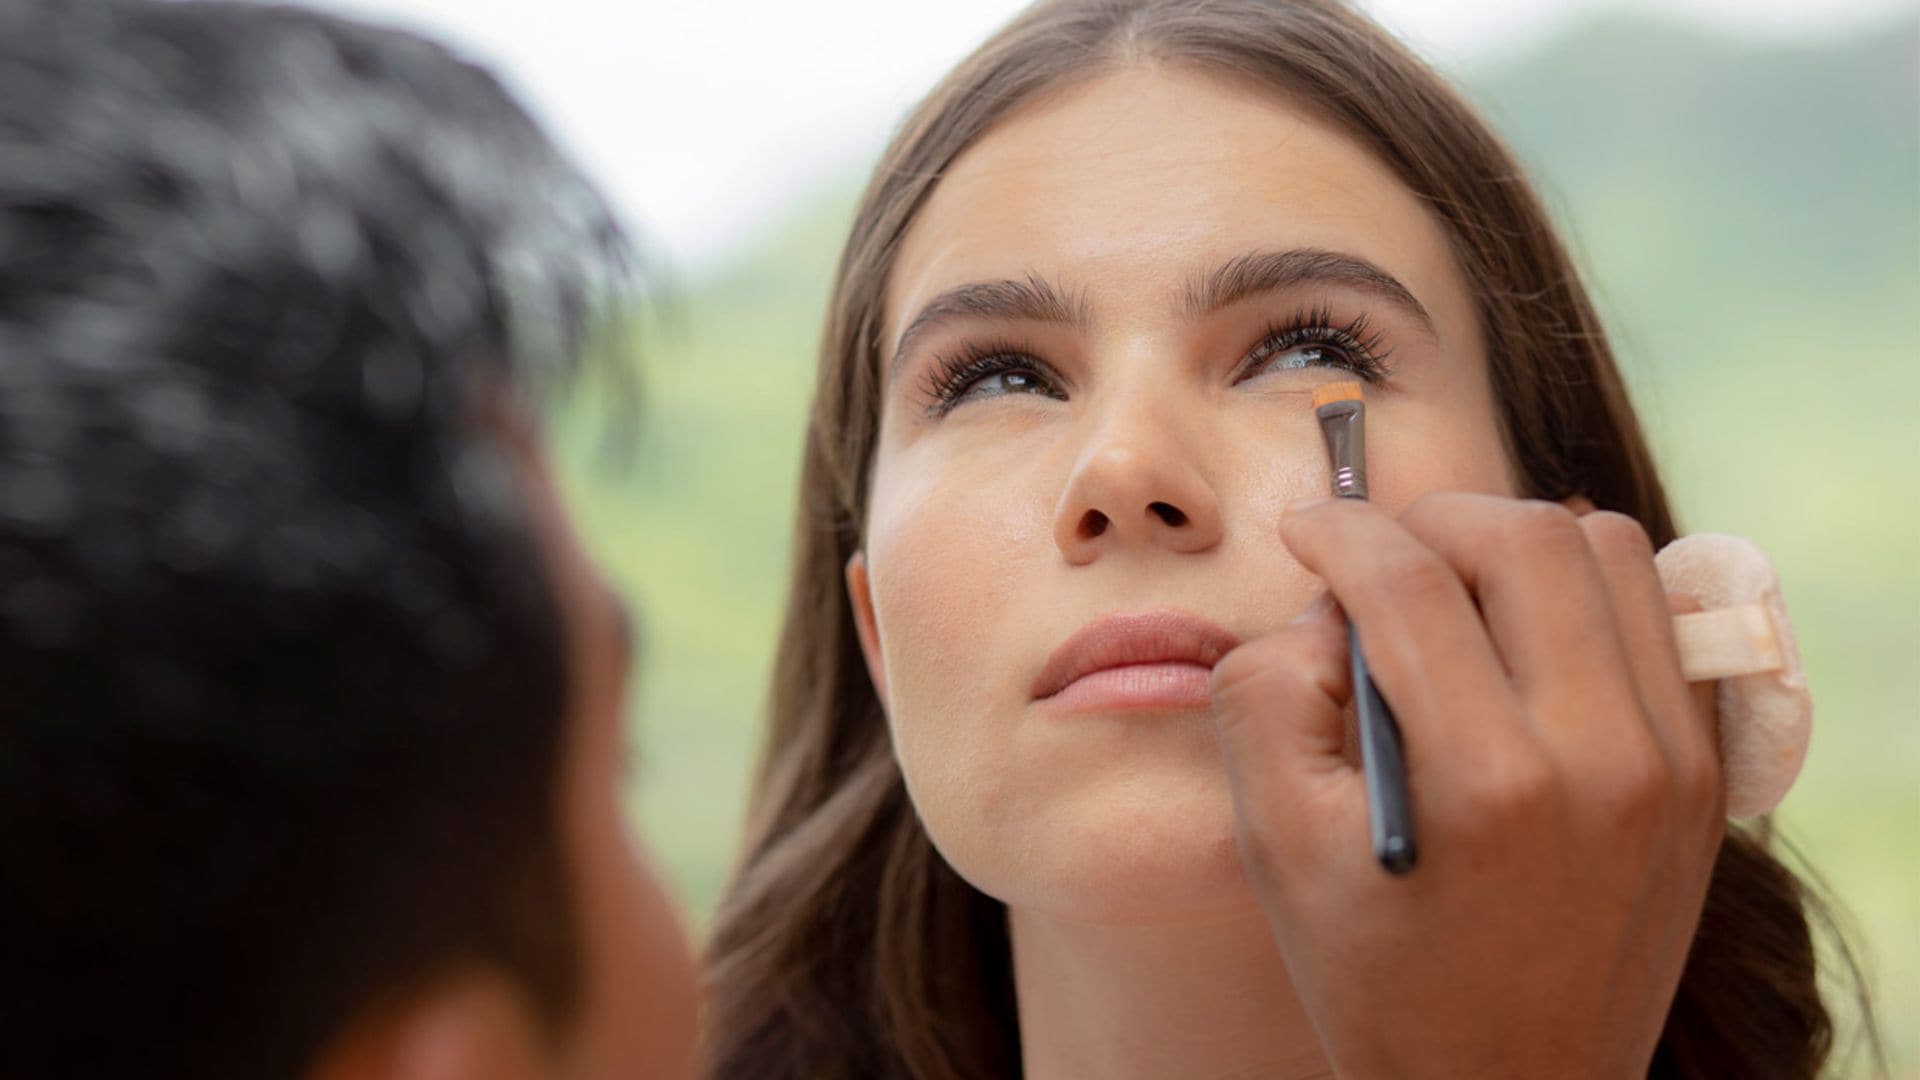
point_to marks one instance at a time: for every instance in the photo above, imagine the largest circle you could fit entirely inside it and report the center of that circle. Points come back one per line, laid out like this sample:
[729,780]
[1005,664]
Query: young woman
[1013,818]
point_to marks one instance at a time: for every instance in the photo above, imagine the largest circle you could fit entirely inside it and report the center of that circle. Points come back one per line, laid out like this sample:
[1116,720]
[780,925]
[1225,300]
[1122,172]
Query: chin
[1142,842]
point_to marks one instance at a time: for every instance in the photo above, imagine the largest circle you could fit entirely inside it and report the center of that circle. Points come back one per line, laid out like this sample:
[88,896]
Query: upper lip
[1145,637]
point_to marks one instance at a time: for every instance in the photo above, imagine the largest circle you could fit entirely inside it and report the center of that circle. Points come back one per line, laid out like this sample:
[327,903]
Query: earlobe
[1579,504]
[860,596]
[468,1026]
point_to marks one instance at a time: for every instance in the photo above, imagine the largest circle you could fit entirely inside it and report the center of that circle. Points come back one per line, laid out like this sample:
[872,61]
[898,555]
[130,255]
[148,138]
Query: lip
[1149,659]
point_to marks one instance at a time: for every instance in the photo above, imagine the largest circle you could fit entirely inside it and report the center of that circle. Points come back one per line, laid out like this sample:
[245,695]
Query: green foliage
[1748,214]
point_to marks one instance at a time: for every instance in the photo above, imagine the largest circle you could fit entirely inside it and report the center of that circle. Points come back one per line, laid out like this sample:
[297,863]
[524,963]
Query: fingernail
[1315,609]
[1301,506]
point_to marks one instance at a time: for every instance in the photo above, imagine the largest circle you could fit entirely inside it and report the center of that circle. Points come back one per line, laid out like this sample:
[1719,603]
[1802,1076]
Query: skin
[1190,890]
[637,999]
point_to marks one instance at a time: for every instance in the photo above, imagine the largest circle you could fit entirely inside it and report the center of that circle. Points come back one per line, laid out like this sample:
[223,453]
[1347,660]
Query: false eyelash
[1357,342]
[950,376]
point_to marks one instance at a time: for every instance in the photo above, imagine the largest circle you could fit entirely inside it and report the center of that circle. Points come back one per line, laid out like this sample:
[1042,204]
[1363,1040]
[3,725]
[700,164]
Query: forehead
[1130,184]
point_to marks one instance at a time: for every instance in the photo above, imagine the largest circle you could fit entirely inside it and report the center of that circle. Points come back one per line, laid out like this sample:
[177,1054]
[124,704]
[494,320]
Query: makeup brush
[1343,415]
[1743,640]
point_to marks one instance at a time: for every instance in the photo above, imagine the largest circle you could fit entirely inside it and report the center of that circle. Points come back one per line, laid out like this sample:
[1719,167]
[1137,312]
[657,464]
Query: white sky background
[704,118]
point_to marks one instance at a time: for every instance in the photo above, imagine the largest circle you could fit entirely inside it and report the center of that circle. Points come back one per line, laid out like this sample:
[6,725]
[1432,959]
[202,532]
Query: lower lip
[1168,685]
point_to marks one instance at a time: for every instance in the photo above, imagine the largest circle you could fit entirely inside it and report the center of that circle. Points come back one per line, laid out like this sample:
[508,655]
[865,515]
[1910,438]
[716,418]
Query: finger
[1545,603]
[1684,717]
[1279,703]
[1706,693]
[1688,783]
[1703,698]
[1423,638]
[1645,619]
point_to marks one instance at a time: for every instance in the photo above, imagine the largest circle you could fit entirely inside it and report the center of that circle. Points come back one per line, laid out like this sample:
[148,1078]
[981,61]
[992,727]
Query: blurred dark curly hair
[281,680]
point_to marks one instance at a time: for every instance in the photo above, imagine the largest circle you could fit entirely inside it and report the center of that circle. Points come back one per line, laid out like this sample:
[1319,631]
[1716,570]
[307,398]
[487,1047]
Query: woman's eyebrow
[1270,271]
[1034,299]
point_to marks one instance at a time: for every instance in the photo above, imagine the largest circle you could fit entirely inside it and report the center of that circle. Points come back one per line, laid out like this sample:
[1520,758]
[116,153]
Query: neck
[1208,1001]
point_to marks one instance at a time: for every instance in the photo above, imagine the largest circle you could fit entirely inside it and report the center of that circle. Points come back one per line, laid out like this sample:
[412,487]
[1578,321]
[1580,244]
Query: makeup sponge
[1744,639]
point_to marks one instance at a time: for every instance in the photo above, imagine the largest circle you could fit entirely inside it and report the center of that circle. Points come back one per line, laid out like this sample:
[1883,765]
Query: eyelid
[1315,325]
[951,375]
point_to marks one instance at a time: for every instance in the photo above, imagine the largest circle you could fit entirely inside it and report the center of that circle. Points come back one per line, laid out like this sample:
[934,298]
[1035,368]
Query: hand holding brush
[1563,761]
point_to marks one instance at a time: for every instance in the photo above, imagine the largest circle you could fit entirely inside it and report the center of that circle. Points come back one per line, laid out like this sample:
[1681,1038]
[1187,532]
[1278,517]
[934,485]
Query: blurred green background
[1748,215]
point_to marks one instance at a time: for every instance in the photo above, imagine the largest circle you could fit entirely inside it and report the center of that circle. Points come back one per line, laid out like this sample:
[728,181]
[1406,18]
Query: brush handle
[1389,809]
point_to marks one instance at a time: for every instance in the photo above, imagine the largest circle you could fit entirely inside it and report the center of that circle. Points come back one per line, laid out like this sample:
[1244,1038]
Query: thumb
[1279,705]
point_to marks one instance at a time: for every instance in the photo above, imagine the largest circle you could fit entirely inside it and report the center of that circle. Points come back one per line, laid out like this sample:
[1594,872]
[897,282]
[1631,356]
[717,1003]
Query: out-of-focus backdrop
[1741,179]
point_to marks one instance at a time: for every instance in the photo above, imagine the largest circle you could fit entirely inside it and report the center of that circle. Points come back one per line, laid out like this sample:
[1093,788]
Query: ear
[474,1025]
[860,592]
[1579,504]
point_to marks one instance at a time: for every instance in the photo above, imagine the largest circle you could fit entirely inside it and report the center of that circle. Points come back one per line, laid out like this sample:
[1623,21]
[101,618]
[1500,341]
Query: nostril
[1168,513]
[1093,524]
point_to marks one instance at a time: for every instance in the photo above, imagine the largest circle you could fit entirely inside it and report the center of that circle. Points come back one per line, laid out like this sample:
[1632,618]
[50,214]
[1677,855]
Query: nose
[1136,486]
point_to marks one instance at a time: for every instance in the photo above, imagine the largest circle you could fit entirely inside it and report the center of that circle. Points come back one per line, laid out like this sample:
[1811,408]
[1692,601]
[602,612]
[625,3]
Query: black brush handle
[1389,810]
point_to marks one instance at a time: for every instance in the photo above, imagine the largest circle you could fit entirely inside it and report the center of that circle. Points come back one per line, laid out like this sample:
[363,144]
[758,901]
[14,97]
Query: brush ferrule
[1344,425]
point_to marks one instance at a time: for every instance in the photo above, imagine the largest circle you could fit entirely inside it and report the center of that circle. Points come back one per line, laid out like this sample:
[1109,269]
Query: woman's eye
[1306,356]
[1273,356]
[1005,382]
[986,375]
[1312,339]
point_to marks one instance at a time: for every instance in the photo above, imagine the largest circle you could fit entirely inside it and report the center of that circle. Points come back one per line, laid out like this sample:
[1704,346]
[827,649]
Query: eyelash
[1356,342]
[952,376]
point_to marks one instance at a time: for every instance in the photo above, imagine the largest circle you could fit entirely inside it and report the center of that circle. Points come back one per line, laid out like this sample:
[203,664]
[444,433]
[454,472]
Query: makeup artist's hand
[1566,790]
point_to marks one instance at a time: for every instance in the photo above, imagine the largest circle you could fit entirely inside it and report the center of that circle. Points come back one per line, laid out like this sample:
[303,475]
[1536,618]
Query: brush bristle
[1339,391]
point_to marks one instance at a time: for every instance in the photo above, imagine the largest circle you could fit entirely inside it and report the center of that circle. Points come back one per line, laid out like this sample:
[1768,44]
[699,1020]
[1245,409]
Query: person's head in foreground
[1067,373]
[310,744]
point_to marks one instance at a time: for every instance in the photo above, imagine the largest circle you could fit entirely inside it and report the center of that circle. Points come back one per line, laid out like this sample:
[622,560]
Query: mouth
[1160,659]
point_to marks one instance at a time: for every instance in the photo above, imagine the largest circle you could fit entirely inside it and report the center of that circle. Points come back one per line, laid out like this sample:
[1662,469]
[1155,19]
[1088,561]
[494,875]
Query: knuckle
[1514,790]
[1616,533]
[1640,788]
[1700,779]
[1699,772]
[1416,577]
[1541,525]
[1238,685]
[1260,848]
[1714,833]
[1243,671]
[1269,671]
[1428,507]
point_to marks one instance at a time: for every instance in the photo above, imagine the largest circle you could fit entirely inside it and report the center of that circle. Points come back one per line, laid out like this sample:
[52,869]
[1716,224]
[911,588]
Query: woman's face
[1103,334]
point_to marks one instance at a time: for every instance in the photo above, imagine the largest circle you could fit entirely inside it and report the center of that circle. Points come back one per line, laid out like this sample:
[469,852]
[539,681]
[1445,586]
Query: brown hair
[845,946]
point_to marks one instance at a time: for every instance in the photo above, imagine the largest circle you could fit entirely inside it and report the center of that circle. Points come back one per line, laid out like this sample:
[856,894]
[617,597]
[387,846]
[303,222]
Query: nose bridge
[1139,426]
[1139,478]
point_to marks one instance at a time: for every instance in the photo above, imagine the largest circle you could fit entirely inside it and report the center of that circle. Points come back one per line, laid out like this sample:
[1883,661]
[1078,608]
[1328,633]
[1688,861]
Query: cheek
[958,546]
[953,543]
[1414,450]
